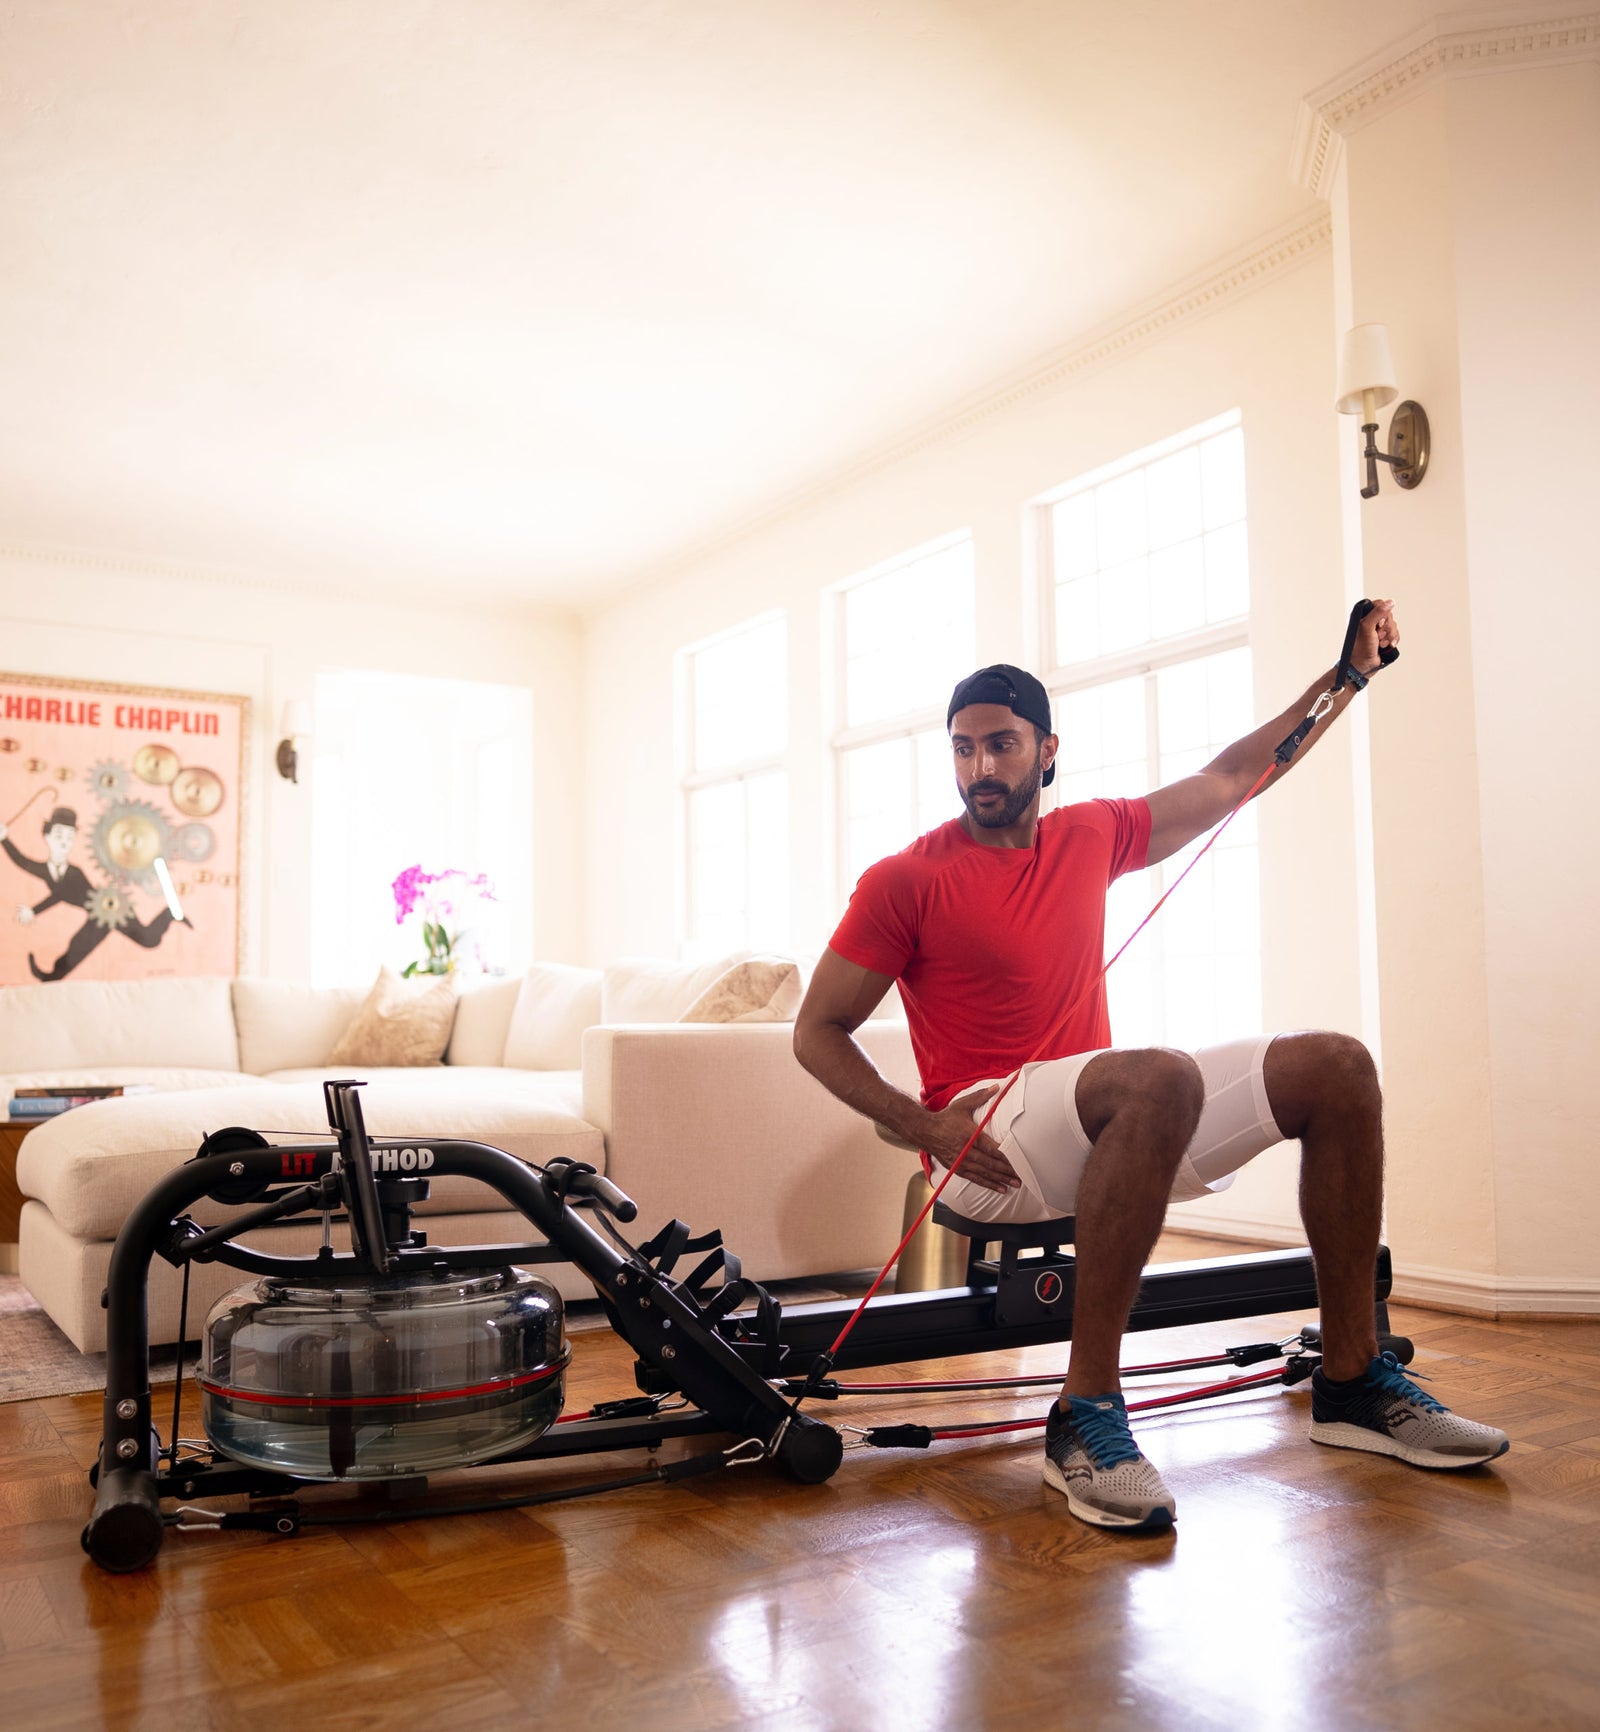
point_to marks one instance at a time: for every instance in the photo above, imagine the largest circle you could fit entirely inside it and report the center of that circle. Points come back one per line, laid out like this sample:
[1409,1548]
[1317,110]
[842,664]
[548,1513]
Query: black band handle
[1345,673]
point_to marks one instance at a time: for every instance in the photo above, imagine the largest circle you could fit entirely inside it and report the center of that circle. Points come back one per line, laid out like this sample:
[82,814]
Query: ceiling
[524,297]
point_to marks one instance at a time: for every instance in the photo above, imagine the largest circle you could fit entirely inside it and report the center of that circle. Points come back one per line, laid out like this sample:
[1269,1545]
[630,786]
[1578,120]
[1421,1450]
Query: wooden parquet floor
[1304,1587]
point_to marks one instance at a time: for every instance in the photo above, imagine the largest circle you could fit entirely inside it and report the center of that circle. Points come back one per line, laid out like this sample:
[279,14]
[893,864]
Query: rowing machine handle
[614,1201]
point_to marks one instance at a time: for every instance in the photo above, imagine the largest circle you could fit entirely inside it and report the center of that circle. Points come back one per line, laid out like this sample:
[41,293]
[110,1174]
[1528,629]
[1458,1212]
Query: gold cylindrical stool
[936,1257]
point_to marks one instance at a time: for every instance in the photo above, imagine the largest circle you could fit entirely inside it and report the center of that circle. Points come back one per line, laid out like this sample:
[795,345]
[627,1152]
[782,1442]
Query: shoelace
[1104,1433]
[1389,1377]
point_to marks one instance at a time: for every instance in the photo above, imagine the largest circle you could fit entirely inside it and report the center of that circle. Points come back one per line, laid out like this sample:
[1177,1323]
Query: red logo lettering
[296,1164]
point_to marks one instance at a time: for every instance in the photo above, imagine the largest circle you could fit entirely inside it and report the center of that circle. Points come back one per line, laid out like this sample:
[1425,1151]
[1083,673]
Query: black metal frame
[710,1354]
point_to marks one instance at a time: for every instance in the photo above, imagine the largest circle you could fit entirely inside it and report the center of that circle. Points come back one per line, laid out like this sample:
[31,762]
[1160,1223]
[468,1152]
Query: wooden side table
[11,1134]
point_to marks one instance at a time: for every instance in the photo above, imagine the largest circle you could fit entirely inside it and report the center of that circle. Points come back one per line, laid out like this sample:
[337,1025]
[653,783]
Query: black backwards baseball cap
[1018,690]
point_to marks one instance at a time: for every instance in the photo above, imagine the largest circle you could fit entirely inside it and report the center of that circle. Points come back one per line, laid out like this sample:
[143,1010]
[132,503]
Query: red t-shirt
[991,945]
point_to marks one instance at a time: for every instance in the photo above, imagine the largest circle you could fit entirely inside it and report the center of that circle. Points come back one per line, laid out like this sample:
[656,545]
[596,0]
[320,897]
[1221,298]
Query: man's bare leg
[1140,1109]
[1323,1089]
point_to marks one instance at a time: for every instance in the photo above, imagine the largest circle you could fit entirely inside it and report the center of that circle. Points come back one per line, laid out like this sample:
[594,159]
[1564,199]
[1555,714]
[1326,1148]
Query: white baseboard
[1496,1295]
[1205,1217]
[1437,1289]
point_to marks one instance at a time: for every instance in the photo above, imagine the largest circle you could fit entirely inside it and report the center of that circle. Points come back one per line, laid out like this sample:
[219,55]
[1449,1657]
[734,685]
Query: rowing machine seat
[1057,1232]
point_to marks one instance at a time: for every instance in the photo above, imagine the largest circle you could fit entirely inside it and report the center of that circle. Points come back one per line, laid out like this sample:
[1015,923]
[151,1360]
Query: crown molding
[1269,256]
[1436,52]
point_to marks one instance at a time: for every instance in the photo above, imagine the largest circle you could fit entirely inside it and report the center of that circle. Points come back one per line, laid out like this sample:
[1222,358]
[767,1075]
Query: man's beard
[1016,800]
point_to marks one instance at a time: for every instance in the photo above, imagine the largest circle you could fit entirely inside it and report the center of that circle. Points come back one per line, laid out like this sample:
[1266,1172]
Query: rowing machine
[396,1358]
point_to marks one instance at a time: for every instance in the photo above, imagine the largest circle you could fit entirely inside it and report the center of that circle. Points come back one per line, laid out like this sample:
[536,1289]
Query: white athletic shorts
[1039,1132]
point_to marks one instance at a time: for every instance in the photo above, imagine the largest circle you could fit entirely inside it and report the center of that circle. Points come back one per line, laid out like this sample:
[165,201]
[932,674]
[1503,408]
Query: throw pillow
[403,1022]
[759,989]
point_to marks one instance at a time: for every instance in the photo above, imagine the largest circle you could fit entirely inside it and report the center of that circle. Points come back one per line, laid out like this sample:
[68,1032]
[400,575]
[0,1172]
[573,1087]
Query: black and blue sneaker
[1387,1413]
[1090,1455]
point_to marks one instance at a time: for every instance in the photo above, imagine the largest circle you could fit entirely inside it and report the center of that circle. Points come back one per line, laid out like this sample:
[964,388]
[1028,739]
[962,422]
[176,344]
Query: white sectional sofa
[713,1123]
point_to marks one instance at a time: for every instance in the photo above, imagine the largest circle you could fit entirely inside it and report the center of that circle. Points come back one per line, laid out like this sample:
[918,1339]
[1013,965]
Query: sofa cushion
[282,1023]
[555,1004]
[483,1019]
[92,1165]
[642,989]
[402,1022]
[759,989]
[72,1024]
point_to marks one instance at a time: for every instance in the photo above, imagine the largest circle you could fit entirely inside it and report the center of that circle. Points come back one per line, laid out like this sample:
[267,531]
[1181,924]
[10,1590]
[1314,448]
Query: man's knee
[1153,1084]
[1320,1073]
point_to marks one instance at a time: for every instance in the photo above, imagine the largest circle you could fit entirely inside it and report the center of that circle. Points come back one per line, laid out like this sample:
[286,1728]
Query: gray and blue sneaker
[1089,1454]
[1386,1413]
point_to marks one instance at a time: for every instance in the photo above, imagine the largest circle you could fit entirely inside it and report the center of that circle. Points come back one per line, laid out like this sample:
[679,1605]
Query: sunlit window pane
[1194,976]
[739,864]
[1125,605]
[767,894]
[879,796]
[1078,621]
[908,635]
[1153,553]
[1072,526]
[738,828]
[1179,597]
[739,692]
[1173,490]
[937,798]
[1227,562]
[1120,519]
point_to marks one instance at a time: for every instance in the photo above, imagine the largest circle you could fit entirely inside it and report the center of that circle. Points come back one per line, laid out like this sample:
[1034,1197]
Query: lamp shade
[296,720]
[1365,364]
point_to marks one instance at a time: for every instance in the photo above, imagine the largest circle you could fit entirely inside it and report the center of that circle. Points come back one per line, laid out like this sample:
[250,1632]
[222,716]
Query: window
[736,791]
[1148,600]
[905,635]
[411,771]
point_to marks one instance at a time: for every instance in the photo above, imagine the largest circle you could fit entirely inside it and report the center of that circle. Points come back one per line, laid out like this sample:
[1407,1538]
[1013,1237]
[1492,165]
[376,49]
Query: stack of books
[46,1103]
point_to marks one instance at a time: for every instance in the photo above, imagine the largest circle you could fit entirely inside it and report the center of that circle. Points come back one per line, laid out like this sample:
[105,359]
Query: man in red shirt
[993,926]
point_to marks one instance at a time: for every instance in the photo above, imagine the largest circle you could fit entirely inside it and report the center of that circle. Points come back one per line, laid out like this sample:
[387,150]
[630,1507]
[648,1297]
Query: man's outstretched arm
[1188,808]
[841,997]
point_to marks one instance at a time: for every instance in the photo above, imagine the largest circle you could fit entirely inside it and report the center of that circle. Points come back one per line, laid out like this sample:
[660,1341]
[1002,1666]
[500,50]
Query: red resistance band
[1257,1380]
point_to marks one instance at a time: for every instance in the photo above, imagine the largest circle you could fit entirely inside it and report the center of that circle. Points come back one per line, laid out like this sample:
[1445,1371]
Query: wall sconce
[296,727]
[1366,383]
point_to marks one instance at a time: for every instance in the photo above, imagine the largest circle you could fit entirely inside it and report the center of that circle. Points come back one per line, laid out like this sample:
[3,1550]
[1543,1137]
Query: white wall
[97,621]
[1526,180]
[1268,352]
[1482,258]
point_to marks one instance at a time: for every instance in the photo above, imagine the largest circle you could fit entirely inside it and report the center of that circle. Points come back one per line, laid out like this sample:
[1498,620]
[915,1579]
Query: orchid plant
[415,887]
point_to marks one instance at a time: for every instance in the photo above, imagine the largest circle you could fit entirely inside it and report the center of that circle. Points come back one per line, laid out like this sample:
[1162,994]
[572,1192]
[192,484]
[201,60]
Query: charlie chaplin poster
[109,795]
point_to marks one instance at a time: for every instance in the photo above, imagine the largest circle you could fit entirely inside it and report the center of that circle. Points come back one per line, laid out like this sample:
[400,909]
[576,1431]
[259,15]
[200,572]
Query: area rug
[37,1360]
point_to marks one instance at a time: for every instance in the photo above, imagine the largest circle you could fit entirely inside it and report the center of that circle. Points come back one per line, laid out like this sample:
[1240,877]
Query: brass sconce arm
[1409,437]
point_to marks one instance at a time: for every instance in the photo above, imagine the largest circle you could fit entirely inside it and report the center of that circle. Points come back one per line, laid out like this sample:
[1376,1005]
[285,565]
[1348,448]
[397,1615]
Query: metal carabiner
[739,1454]
[204,1518]
[1320,708]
